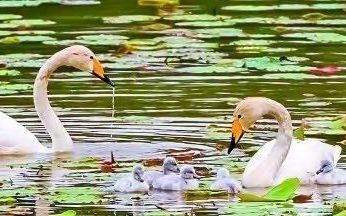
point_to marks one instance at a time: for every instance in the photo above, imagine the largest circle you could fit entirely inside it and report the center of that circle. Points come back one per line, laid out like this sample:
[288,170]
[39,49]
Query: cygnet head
[138,172]
[170,165]
[222,173]
[326,166]
[84,59]
[188,172]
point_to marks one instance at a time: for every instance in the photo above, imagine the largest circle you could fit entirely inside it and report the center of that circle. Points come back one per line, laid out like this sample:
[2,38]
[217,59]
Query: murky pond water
[179,69]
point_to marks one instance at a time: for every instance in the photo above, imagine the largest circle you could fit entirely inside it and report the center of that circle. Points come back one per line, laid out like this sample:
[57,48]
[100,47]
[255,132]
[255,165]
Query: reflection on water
[179,70]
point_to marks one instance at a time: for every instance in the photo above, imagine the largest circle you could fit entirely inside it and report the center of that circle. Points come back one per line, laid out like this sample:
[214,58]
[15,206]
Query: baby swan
[329,174]
[186,180]
[225,182]
[133,182]
[169,166]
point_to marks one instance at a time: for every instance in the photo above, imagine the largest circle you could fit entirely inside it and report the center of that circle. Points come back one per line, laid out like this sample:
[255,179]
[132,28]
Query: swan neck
[61,140]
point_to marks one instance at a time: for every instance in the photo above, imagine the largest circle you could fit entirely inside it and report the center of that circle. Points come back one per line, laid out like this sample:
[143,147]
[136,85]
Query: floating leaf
[125,19]
[314,16]
[67,213]
[157,2]
[342,213]
[19,39]
[29,22]
[204,194]
[282,192]
[299,133]
[323,37]
[294,76]
[9,16]
[219,32]
[6,88]
[75,195]
[9,73]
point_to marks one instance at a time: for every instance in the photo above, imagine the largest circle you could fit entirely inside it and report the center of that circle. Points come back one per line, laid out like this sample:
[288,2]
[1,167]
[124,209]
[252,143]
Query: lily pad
[7,88]
[9,16]
[101,39]
[9,73]
[322,37]
[294,76]
[299,133]
[67,213]
[270,64]
[157,3]
[125,19]
[75,195]
[280,193]
[19,39]
[21,3]
[219,32]
[29,22]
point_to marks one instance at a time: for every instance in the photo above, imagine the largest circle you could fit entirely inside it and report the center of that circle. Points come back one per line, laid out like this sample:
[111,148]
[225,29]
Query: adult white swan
[15,138]
[284,156]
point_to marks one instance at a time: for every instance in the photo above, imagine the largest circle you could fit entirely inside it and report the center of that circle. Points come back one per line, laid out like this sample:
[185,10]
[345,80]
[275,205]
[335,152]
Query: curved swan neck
[265,169]
[61,140]
[283,140]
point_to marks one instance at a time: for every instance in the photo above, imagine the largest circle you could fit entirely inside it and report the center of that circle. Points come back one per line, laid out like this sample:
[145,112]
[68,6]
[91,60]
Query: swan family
[310,160]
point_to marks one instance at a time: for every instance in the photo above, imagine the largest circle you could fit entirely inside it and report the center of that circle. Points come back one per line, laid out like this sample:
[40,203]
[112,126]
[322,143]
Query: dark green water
[181,80]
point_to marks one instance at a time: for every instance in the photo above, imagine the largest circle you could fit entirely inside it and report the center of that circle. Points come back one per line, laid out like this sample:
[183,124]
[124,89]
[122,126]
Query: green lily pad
[219,32]
[210,69]
[21,3]
[19,39]
[125,19]
[7,200]
[270,64]
[9,16]
[84,163]
[299,133]
[322,37]
[294,76]
[75,195]
[157,3]
[342,213]
[17,192]
[280,193]
[67,213]
[204,194]
[101,39]
[7,88]
[252,42]
[29,22]
[9,73]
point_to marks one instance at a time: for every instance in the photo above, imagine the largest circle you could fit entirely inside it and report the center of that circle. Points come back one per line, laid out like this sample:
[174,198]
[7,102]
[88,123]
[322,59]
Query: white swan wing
[16,139]
[304,159]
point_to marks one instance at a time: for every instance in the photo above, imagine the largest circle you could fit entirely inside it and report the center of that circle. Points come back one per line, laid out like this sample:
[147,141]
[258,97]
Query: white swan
[284,156]
[169,166]
[132,182]
[225,182]
[329,175]
[186,180]
[15,138]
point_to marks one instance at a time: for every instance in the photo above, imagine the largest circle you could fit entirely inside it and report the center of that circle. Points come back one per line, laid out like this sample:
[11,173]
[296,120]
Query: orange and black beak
[237,134]
[100,73]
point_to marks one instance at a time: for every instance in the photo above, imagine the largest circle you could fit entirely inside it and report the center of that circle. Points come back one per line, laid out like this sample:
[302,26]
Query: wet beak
[100,73]
[237,134]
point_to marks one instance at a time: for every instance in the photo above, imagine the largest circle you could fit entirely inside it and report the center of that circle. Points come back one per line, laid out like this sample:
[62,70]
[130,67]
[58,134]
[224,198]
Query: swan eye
[91,57]
[239,116]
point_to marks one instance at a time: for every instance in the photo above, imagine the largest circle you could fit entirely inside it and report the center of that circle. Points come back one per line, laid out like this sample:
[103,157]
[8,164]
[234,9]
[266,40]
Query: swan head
[326,166]
[138,172]
[170,165]
[222,173]
[84,59]
[188,172]
[247,112]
